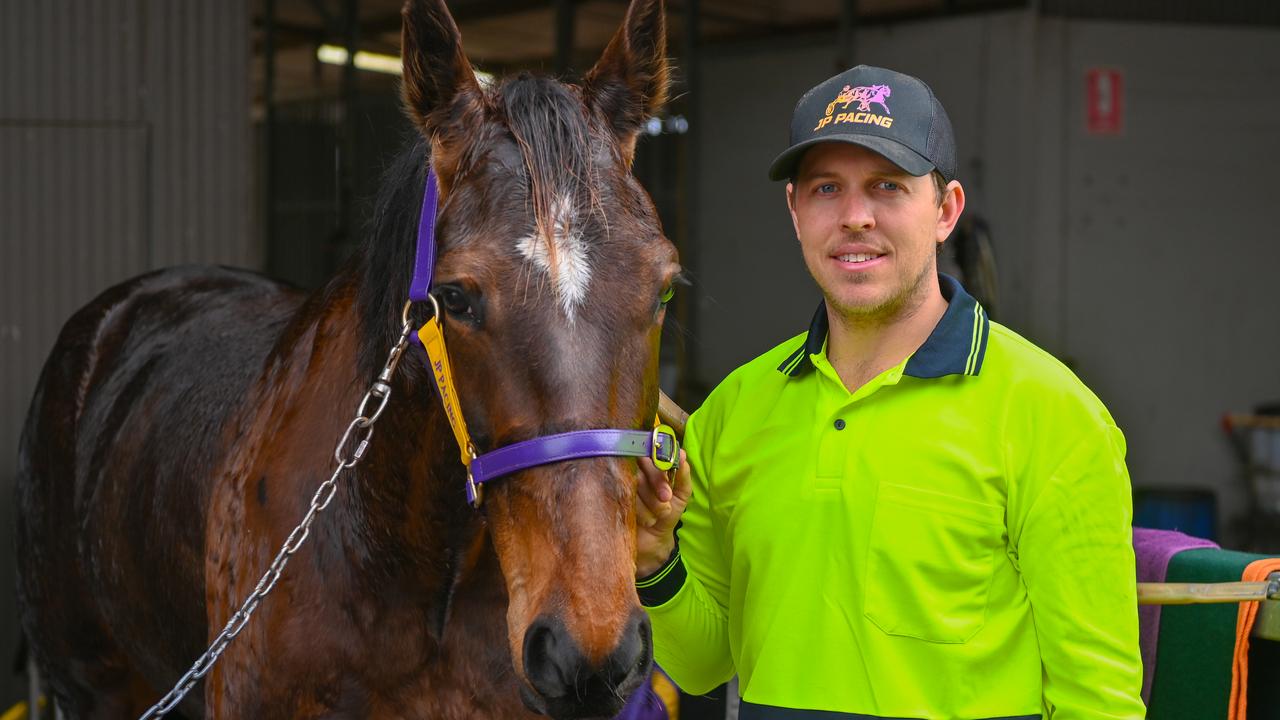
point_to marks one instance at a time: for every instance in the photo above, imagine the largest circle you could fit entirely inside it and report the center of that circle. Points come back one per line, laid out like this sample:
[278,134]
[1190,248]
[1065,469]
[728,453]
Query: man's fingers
[655,480]
[644,516]
[682,488]
[659,504]
[651,500]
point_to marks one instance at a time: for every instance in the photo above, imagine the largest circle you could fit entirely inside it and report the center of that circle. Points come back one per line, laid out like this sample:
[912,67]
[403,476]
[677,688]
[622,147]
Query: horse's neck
[399,517]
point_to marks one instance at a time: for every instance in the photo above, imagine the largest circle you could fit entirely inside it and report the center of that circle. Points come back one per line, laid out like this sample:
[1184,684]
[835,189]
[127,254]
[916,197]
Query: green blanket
[1193,658]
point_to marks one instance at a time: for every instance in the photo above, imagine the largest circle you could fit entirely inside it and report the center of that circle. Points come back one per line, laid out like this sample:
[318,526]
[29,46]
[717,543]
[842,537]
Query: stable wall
[124,146]
[1144,260]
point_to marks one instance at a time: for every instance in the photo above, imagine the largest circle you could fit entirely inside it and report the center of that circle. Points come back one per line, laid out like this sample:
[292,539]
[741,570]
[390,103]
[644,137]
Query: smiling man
[907,511]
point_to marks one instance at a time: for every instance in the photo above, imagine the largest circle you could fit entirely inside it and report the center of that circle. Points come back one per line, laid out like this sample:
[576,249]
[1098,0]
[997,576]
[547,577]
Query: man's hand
[659,504]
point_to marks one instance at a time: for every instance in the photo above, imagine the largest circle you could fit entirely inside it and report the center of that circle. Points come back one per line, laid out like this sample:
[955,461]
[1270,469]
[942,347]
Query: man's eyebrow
[886,171]
[819,175]
[889,170]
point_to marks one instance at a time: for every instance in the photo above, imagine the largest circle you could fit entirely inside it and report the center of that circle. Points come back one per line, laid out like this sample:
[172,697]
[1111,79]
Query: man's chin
[877,299]
[864,306]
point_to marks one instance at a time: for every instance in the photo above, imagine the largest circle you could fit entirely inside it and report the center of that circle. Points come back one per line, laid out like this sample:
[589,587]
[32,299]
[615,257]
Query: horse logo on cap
[865,96]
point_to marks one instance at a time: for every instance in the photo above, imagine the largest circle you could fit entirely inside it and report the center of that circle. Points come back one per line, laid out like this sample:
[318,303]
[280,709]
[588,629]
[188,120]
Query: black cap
[893,114]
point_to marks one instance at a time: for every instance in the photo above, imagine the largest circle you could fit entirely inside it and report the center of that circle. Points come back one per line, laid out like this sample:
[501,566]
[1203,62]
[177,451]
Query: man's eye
[826,188]
[889,185]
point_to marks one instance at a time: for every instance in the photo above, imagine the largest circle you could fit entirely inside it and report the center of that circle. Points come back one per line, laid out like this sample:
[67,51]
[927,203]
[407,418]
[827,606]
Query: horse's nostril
[551,658]
[644,634]
[635,651]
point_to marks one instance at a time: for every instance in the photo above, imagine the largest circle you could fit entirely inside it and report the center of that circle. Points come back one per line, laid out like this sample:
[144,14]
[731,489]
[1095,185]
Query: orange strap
[667,692]
[1257,571]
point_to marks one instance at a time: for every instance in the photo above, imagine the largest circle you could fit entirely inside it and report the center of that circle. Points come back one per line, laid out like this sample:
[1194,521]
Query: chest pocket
[932,557]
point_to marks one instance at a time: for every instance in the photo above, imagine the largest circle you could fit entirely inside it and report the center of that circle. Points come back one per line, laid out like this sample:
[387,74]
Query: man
[908,511]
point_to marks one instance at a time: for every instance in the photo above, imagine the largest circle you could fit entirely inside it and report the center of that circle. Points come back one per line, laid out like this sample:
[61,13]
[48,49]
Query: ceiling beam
[327,19]
[478,10]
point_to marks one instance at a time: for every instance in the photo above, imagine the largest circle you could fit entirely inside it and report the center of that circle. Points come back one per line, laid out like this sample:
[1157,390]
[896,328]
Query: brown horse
[186,417]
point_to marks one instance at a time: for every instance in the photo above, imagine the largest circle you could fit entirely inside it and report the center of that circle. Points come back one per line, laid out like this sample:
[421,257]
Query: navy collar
[955,347]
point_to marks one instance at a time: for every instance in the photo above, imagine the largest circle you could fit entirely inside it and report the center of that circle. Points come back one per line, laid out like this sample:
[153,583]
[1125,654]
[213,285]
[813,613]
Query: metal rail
[1202,593]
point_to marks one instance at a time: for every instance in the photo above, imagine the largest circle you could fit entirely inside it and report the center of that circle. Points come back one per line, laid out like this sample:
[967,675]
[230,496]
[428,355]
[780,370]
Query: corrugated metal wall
[198,96]
[124,146]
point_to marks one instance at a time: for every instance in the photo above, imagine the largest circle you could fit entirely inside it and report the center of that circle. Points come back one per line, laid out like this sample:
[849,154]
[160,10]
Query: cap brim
[784,166]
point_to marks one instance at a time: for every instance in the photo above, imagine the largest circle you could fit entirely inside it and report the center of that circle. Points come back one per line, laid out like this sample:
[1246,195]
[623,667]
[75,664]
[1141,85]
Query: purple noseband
[659,444]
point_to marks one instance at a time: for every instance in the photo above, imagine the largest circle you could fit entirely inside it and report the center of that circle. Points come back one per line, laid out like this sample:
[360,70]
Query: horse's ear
[440,89]
[629,82]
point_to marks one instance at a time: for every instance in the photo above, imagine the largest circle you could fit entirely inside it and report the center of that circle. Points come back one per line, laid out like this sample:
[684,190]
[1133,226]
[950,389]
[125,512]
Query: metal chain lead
[359,431]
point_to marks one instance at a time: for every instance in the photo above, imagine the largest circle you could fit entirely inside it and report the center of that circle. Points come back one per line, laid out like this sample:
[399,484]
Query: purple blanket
[644,703]
[1153,549]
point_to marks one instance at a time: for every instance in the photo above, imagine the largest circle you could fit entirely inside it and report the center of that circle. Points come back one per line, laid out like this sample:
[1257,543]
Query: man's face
[868,230]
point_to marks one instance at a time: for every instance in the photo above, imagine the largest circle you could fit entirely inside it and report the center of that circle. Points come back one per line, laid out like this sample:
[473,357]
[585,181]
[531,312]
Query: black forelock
[551,126]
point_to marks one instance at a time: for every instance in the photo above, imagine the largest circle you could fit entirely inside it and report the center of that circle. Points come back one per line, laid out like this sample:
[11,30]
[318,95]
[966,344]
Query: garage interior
[1118,158]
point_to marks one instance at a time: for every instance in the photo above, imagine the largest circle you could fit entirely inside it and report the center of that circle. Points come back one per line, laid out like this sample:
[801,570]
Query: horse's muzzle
[566,685]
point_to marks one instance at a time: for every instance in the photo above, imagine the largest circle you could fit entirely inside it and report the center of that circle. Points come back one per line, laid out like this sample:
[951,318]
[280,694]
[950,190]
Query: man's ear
[628,84]
[949,211]
[791,206]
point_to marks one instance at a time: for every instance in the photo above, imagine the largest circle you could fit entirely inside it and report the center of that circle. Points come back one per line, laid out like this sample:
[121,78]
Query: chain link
[356,439]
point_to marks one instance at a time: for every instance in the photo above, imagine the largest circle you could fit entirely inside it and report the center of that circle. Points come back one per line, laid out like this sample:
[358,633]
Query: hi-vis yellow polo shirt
[951,540]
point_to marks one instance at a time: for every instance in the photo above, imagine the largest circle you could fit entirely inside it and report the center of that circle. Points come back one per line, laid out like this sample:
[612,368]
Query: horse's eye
[669,291]
[456,303]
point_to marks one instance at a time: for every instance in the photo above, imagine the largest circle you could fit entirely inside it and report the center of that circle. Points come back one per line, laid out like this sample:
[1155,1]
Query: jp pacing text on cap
[893,114]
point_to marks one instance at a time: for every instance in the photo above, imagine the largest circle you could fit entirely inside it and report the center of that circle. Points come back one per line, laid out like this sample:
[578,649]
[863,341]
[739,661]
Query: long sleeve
[1076,557]
[687,600]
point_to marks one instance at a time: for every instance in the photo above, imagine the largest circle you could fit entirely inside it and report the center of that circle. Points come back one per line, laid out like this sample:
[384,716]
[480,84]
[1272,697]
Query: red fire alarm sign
[1104,101]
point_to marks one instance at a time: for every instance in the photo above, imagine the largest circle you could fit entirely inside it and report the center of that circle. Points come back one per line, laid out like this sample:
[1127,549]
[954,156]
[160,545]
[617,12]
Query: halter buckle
[665,448]
[475,491]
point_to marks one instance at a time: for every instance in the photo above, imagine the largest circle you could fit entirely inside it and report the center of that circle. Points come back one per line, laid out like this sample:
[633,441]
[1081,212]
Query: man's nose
[856,213]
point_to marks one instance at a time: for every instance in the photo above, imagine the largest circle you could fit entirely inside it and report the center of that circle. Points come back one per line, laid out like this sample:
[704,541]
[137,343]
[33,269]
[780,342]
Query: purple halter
[660,444]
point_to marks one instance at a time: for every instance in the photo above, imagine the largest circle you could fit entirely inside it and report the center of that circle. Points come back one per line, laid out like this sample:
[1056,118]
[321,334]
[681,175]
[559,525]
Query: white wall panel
[1171,303]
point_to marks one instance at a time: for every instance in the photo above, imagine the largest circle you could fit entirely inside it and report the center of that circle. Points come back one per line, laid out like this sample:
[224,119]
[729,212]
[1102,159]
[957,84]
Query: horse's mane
[549,124]
[386,256]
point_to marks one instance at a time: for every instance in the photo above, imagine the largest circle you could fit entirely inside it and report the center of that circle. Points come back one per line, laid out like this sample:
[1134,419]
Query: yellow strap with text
[433,340]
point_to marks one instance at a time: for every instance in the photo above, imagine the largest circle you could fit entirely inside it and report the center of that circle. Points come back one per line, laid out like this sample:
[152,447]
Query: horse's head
[551,272]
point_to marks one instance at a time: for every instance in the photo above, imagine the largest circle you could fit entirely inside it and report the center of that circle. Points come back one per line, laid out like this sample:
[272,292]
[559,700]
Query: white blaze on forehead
[572,272]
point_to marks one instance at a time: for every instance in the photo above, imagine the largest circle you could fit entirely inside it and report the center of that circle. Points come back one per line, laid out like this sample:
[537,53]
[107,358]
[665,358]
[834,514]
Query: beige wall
[1146,260]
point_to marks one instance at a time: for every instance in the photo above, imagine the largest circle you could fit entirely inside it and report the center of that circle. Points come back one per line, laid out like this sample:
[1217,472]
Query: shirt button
[839,423]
